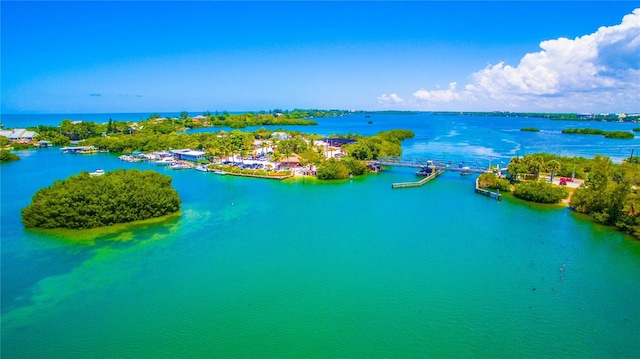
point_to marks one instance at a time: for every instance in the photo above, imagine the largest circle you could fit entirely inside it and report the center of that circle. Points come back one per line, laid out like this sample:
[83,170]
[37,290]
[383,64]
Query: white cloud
[385,99]
[598,71]
[604,60]
[447,95]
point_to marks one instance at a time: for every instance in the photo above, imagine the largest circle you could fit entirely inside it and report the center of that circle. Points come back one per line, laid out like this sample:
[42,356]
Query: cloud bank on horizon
[595,71]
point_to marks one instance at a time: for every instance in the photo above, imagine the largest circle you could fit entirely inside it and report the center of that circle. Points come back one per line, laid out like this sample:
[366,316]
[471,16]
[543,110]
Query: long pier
[418,183]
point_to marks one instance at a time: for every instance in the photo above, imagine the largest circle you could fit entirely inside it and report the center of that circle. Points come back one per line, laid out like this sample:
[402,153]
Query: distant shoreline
[53,119]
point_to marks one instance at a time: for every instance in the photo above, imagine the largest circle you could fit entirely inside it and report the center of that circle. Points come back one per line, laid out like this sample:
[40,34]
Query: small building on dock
[188,154]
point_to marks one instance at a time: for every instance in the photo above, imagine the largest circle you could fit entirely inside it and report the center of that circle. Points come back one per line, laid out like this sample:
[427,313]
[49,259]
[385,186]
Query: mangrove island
[102,199]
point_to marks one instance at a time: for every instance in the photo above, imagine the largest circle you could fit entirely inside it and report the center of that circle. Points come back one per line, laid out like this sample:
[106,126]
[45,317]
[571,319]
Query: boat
[426,170]
[88,151]
[96,173]
[202,168]
[179,166]
[81,150]
[165,161]
[219,172]
[465,171]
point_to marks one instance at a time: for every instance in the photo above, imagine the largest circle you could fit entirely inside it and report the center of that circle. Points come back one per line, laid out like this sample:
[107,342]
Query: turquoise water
[258,268]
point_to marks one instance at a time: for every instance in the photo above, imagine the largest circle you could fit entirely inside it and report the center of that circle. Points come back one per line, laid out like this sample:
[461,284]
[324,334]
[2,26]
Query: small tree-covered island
[88,201]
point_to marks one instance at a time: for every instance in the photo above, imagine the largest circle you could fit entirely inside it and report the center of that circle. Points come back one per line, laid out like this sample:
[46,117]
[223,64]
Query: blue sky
[70,57]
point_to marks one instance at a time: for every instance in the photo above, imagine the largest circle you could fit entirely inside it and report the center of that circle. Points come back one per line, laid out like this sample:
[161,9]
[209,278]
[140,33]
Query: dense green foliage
[593,131]
[7,156]
[84,201]
[387,143]
[530,129]
[4,141]
[165,125]
[333,169]
[610,194]
[540,191]
[619,134]
[490,180]
[52,134]
[584,131]
[156,124]
[531,165]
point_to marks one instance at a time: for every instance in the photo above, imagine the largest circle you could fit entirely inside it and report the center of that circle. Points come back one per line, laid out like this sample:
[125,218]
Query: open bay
[258,268]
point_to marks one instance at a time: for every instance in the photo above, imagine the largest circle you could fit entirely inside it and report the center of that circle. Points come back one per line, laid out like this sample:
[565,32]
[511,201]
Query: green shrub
[356,167]
[332,169]
[540,191]
[490,180]
[619,134]
[6,156]
[584,131]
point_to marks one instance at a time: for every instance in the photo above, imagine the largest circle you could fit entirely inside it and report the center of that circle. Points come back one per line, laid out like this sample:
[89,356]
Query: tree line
[68,130]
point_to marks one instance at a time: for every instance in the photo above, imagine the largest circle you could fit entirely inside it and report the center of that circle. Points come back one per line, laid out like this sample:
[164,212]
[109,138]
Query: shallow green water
[257,268]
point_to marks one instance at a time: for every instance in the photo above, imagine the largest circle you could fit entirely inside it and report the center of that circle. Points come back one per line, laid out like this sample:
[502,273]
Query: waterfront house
[199,119]
[188,154]
[19,135]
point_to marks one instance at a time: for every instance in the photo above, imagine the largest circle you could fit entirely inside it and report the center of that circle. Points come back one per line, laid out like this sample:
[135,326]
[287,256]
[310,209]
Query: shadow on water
[62,250]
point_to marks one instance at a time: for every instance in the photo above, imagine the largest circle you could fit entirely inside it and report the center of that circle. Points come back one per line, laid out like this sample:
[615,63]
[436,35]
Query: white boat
[179,166]
[96,173]
[165,161]
[202,168]
[219,172]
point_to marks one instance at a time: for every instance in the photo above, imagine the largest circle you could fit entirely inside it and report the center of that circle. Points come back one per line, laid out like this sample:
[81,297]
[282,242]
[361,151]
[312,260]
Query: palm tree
[515,168]
[263,146]
[535,165]
[553,165]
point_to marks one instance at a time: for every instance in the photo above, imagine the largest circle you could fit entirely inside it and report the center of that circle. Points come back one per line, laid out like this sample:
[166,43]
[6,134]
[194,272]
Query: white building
[19,134]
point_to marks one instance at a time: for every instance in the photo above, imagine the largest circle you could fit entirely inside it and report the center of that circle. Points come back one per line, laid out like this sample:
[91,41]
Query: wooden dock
[418,183]
[488,193]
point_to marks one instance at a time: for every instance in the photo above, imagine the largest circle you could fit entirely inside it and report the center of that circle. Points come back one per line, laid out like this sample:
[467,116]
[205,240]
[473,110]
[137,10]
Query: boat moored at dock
[80,150]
